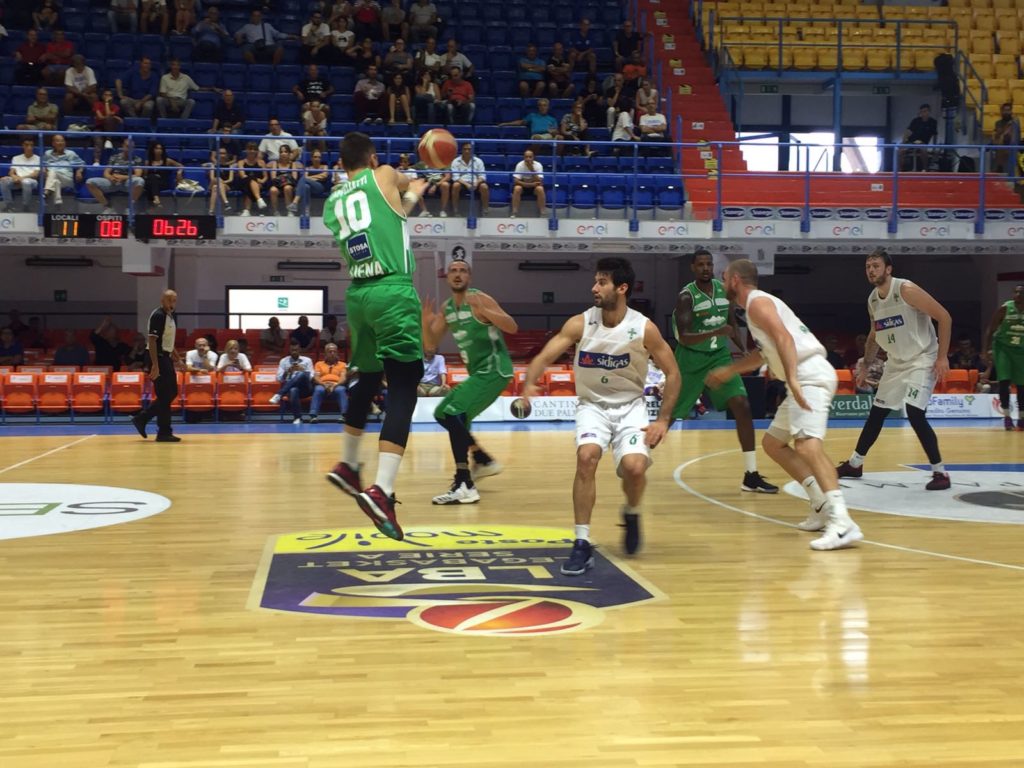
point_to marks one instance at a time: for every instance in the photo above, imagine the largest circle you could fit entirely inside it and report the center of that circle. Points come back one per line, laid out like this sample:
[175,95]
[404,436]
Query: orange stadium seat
[956,382]
[19,392]
[64,368]
[560,383]
[456,376]
[87,392]
[126,388]
[264,386]
[233,392]
[31,368]
[199,392]
[104,369]
[53,392]
[847,386]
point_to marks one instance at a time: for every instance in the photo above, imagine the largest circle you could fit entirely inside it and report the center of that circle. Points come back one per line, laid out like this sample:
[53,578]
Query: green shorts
[472,396]
[384,321]
[1009,362]
[694,368]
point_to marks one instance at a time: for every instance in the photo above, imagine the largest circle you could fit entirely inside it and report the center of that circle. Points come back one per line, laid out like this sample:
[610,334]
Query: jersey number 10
[353,214]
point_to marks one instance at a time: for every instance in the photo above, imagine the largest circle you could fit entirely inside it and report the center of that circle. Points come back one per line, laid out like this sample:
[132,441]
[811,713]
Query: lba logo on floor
[39,509]
[501,580]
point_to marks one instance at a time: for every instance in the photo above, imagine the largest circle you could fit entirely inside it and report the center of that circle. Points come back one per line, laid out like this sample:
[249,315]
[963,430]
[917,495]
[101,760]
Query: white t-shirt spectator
[342,40]
[241,363]
[432,60]
[525,173]
[657,120]
[271,144]
[317,32]
[286,365]
[471,173]
[623,130]
[177,87]
[23,167]
[193,360]
[371,89]
[79,80]
[421,15]
[434,371]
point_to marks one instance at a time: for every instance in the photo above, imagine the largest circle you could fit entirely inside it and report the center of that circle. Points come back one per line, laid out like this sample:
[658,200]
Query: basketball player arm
[764,315]
[434,325]
[488,310]
[684,317]
[557,345]
[997,319]
[661,352]
[401,191]
[921,300]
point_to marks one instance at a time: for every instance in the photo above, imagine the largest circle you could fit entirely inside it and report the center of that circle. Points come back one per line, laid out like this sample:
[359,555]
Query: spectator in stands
[272,142]
[654,385]
[29,62]
[654,128]
[399,96]
[109,350]
[154,17]
[558,73]
[272,337]
[438,183]
[70,352]
[329,378]
[160,173]
[435,375]
[79,87]
[363,56]
[137,358]
[593,102]
[366,15]
[228,117]
[627,42]
[369,99]
[220,180]
[122,174]
[64,169]
[14,323]
[470,174]
[316,40]
[210,37]
[528,177]
[622,125]
[250,178]
[540,124]
[202,359]
[458,96]
[295,373]
[426,97]
[284,176]
[138,89]
[833,356]
[123,15]
[581,52]
[184,16]
[11,351]
[872,374]
[41,115]
[532,69]
[399,60]
[314,180]
[106,116]
[47,16]
[57,57]
[856,352]
[33,337]
[921,132]
[332,333]
[342,41]
[423,21]
[646,94]
[341,9]
[966,357]
[615,98]
[305,336]
[233,358]
[392,21]
[429,58]
[175,89]
[453,57]
[573,131]
[1006,132]
[259,41]
[632,72]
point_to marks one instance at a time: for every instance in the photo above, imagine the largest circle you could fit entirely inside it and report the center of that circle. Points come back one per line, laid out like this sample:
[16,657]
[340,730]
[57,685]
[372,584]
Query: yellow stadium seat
[754,57]
[854,59]
[924,60]
[1007,70]
[981,3]
[984,21]
[1009,44]
[1018,94]
[805,58]
[884,35]
[773,57]
[999,95]
[990,117]
[1007,21]
[984,68]
[879,59]
[981,43]
[959,3]
[828,58]
[1004,4]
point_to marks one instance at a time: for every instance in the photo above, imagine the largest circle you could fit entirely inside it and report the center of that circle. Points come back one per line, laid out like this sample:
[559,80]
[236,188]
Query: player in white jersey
[901,324]
[613,345]
[794,356]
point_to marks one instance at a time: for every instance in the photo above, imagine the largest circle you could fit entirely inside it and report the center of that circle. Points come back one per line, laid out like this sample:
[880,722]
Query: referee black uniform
[162,328]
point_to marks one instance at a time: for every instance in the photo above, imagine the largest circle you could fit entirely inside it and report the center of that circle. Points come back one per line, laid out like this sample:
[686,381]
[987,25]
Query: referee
[162,328]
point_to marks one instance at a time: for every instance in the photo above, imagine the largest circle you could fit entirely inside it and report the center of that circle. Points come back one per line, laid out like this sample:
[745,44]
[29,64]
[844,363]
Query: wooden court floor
[135,644]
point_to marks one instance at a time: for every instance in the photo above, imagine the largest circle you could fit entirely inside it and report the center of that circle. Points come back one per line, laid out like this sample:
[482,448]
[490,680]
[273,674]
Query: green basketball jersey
[371,234]
[482,346]
[709,313]
[1011,331]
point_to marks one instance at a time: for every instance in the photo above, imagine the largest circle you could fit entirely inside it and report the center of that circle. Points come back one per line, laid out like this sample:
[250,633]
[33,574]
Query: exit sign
[769,89]
[547,297]
[881,90]
[277,278]
[60,296]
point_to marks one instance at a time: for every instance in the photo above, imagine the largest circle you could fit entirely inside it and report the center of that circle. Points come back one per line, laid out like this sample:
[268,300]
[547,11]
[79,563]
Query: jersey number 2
[353,214]
[714,343]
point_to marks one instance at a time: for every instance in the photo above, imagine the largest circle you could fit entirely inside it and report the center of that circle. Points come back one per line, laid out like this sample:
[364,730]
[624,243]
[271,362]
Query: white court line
[43,455]
[678,476]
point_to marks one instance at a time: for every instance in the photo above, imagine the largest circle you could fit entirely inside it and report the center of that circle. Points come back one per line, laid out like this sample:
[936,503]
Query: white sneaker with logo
[480,471]
[458,494]
[816,519]
[838,535]
[275,399]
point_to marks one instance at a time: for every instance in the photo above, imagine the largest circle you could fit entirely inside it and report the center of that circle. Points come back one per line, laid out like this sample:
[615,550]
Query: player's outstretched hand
[798,395]
[529,391]
[941,369]
[418,187]
[654,433]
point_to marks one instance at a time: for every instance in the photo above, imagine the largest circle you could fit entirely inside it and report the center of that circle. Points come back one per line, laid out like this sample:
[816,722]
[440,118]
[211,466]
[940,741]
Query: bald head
[745,270]
[168,300]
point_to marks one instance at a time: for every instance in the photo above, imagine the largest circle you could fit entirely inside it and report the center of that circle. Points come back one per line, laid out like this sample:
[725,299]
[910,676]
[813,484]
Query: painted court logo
[492,580]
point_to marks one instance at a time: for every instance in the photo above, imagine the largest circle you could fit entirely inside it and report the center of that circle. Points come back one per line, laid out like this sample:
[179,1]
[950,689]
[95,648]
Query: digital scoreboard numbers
[149,227]
[85,226]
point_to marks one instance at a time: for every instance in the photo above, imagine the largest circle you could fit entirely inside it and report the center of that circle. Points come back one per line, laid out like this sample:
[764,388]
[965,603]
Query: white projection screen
[250,307]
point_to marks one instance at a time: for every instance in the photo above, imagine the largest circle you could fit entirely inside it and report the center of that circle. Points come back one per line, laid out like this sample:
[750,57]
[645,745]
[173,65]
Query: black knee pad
[360,397]
[403,378]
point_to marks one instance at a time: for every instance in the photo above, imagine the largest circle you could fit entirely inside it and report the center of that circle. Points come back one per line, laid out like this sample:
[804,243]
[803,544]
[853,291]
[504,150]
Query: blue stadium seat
[180,47]
[643,195]
[286,107]
[492,162]
[343,80]
[502,57]
[95,46]
[232,77]
[261,78]
[205,105]
[584,193]
[509,110]
[519,38]
[207,75]
[496,34]
[485,110]
[150,45]
[258,107]
[288,76]
[671,194]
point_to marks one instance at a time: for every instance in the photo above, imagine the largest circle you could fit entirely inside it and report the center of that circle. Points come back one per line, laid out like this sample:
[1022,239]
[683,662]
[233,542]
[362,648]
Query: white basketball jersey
[905,333]
[812,365]
[611,363]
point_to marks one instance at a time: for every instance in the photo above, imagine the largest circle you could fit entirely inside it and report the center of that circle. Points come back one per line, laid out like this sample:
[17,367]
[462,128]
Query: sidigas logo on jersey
[603,361]
[889,322]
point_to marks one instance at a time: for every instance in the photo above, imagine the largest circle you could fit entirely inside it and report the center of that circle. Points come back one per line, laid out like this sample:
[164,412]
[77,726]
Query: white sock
[583,532]
[750,461]
[1004,411]
[813,491]
[350,449]
[387,470]
[940,467]
[628,510]
[837,506]
[856,460]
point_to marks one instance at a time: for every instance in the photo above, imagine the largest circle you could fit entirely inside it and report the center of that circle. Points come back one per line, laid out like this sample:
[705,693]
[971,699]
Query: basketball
[521,408]
[438,148]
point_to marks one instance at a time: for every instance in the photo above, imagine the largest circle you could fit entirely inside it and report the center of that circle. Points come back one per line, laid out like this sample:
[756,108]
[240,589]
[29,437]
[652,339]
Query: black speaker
[949,83]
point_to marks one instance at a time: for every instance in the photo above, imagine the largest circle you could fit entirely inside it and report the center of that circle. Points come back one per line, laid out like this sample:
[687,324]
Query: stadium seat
[846,385]
[956,382]
[456,376]
[126,390]
[19,393]
[264,386]
[200,392]
[233,392]
[53,392]
[560,383]
[88,392]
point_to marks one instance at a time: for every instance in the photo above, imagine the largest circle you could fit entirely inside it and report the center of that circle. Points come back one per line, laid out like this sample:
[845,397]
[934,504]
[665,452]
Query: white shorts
[793,422]
[621,427]
[910,383]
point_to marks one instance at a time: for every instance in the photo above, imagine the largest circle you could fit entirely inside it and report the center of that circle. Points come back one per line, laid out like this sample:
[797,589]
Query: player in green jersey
[1004,347]
[703,323]
[477,323]
[366,214]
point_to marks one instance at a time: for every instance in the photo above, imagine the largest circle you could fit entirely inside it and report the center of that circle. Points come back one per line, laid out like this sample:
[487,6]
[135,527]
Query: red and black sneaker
[846,469]
[939,482]
[346,478]
[380,508]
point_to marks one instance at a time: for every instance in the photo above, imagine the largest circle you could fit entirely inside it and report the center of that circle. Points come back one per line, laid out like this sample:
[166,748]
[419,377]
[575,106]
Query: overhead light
[309,266]
[58,261]
[549,266]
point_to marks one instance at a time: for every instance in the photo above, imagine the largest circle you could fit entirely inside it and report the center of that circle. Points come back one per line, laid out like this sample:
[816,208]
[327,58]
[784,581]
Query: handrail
[732,85]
